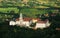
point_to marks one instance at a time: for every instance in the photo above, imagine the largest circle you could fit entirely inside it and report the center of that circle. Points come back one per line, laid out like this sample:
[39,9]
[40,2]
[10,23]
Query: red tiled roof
[26,19]
[42,21]
[17,19]
[38,20]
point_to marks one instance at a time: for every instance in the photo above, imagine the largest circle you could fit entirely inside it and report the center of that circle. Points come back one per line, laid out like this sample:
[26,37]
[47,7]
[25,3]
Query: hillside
[31,3]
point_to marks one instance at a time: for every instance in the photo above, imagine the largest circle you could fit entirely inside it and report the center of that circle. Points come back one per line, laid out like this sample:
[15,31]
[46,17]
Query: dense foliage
[7,31]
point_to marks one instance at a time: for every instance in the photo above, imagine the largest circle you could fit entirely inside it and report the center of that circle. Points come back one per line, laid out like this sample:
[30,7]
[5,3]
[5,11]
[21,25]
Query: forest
[10,9]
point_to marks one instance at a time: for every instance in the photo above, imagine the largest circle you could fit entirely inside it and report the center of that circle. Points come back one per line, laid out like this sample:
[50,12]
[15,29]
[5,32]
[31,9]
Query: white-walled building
[12,23]
[21,21]
[26,22]
[42,24]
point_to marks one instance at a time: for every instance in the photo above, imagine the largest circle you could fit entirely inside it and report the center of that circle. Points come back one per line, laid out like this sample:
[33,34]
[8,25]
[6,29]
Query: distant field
[29,12]
[6,10]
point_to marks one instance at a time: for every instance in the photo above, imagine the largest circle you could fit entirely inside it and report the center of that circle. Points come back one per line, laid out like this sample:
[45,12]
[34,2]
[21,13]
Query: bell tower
[21,19]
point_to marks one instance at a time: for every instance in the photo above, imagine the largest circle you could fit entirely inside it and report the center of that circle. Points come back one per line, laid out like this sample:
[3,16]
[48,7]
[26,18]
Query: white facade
[26,23]
[17,22]
[40,25]
[12,23]
[47,24]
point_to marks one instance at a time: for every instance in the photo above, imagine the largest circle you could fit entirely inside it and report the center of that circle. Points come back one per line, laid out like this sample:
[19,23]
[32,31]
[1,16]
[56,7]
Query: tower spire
[21,17]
